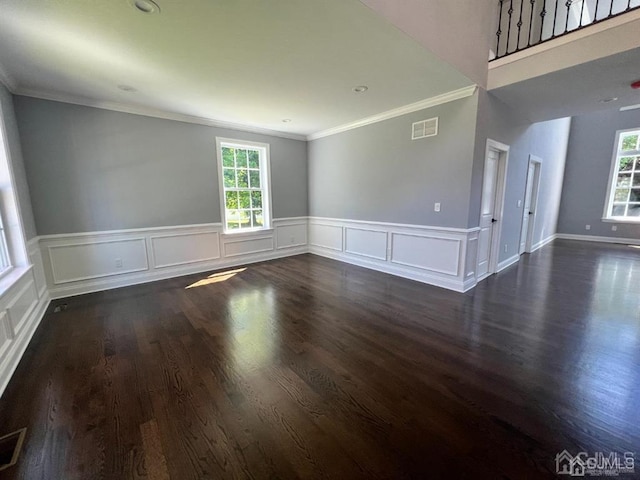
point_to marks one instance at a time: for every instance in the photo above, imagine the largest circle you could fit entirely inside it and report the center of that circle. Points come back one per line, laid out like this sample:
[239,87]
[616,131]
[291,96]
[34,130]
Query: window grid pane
[242,185]
[625,197]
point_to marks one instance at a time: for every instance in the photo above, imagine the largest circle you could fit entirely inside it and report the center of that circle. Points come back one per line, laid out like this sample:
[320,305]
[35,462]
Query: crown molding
[7,80]
[150,112]
[397,112]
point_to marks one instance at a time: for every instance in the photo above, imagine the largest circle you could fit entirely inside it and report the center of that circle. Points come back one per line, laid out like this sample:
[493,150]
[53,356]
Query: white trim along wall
[23,302]
[445,257]
[87,262]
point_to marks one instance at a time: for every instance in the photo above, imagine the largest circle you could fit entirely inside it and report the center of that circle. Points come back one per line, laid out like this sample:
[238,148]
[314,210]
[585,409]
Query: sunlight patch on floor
[216,277]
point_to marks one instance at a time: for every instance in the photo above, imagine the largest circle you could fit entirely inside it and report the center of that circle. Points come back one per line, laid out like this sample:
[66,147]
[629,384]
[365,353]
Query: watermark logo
[599,464]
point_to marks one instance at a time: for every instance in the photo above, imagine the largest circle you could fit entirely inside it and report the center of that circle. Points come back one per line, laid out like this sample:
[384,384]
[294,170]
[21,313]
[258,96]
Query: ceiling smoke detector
[360,89]
[146,6]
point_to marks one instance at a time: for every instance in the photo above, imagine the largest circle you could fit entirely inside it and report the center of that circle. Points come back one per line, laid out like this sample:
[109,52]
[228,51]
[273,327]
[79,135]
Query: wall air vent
[424,129]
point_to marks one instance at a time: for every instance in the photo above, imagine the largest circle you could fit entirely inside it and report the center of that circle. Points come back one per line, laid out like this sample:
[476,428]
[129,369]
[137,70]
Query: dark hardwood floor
[309,368]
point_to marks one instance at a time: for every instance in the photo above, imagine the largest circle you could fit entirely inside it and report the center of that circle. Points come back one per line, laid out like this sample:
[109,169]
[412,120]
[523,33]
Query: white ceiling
[251,62]
[576,90]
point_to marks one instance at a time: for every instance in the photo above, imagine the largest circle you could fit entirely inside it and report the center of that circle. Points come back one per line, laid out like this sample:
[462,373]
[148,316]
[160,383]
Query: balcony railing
[525,23]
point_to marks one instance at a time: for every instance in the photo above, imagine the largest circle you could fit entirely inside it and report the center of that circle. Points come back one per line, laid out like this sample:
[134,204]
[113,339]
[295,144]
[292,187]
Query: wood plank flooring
[309,368]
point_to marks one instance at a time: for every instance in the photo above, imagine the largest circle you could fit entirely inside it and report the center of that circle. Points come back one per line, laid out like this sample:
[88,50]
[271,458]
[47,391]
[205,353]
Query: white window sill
[247,233]
[11,277]
[621,220]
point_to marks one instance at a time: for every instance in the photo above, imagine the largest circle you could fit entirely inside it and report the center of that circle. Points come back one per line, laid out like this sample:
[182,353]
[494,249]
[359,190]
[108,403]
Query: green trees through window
[626,182]
[244,186]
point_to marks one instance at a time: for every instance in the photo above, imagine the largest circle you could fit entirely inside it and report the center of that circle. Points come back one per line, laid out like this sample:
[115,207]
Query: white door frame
[537,162]
[501,187]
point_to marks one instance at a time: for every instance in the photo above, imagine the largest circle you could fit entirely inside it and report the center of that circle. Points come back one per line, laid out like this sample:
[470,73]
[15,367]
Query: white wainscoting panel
[433,255]
[6,333]
[84,261]
[247,246]
[20,314]
[325,236]
[21,305]
[35,257]
[367,243]
[183,248]
[471,257]
[291,235]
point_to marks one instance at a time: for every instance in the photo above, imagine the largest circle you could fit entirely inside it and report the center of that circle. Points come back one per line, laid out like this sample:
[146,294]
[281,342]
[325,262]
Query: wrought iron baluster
[595,12]
[581,12]
[499,32]
[555,17]
[543,13]
[566,23]
[519,24]
[611,8]
[533,3]
[628,5]
[510,12]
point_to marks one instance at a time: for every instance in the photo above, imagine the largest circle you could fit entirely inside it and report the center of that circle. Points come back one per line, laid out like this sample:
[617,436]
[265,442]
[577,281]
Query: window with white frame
[243,169]
[623,202]
[5,261]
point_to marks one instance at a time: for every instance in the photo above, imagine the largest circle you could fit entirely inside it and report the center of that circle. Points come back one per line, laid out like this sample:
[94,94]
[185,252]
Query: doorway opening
[492,207]
[530,206]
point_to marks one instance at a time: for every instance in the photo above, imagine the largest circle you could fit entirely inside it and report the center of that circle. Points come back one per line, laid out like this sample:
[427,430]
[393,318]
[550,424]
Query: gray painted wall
[91,169]
[588,167]
[17,165]
[547,140]
[378,173]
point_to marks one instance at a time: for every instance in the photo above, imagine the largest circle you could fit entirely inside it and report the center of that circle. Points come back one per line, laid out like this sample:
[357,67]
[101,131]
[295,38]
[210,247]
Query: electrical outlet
[587,227]
[506,248]
[118,263]
[436,207]
[614,228]
[519,203]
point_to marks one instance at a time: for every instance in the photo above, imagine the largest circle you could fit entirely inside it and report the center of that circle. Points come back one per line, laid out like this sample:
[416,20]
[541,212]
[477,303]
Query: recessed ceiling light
[146,6]
[286,120]
[608,100]
[127,88]
[360,89]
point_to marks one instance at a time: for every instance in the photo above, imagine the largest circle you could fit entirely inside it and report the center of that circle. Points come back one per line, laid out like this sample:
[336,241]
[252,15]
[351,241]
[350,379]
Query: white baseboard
[544,242]
[594,238]
[508,262]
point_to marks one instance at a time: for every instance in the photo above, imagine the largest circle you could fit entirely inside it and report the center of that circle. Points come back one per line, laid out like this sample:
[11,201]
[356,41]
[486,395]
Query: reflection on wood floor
[305,367]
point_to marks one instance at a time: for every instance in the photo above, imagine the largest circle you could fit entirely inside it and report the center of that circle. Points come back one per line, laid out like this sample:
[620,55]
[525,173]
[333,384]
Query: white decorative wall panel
[472,256]
[368,243]
[6,334]
[184,248]
[21,305]
[247,246]
[435,254]
[288,236]
[83,261]
[326,236]
[35,256]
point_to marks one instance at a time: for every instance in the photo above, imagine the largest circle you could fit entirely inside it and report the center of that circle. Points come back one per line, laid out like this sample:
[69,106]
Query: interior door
[527,210]
[487,211]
